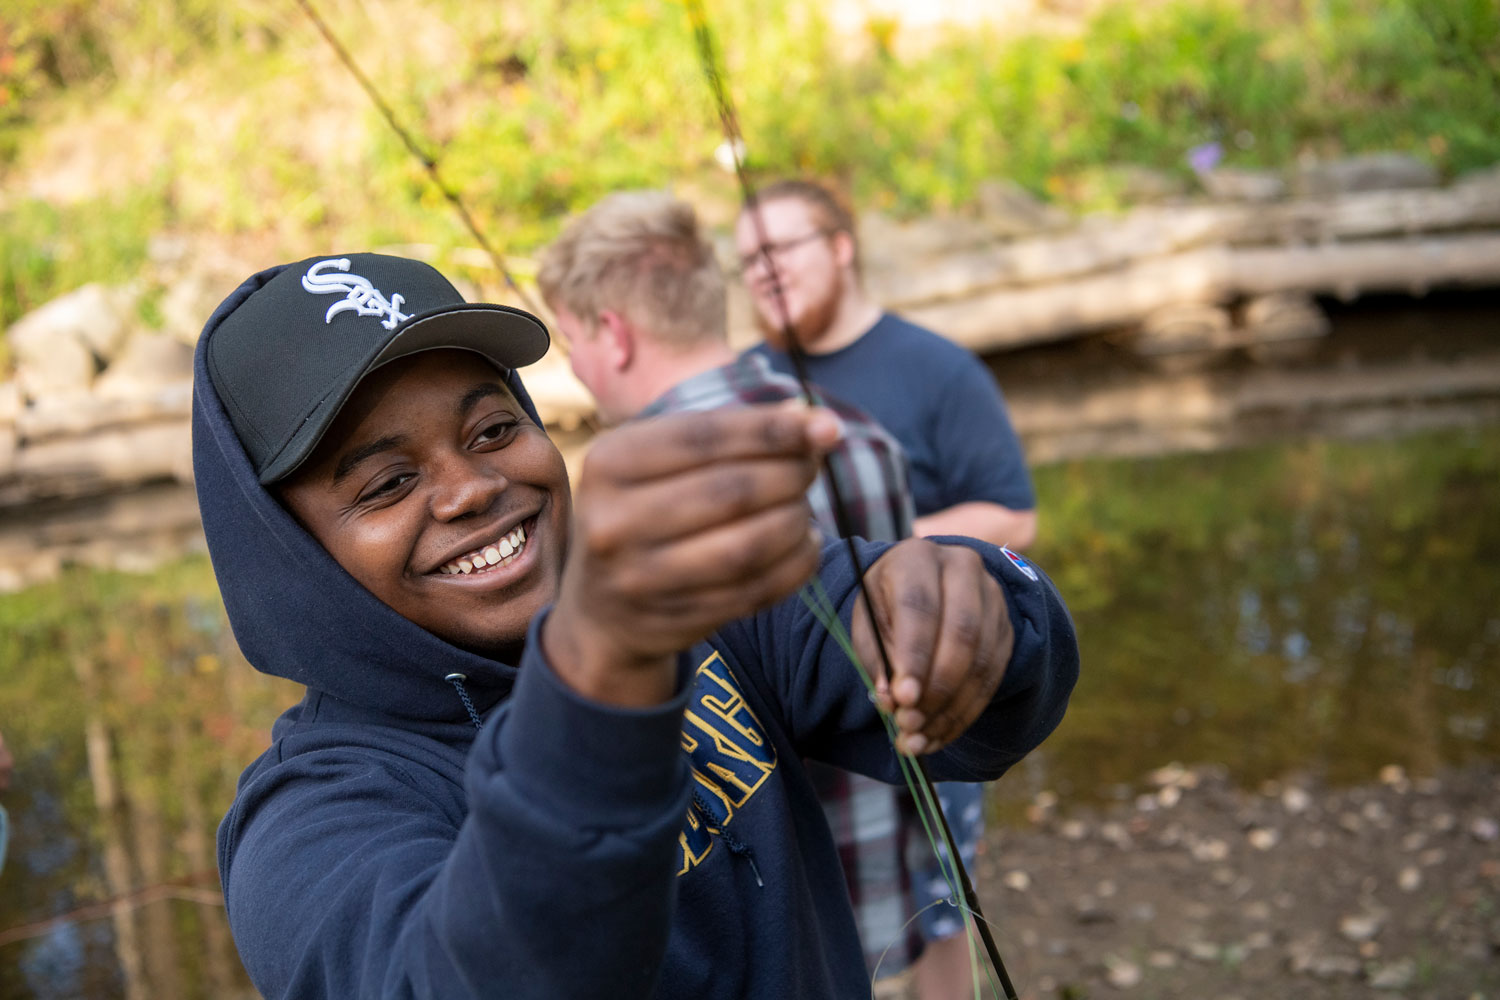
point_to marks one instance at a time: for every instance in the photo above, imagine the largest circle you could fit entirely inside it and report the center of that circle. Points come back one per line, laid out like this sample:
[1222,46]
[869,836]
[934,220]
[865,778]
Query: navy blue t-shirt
[939,401]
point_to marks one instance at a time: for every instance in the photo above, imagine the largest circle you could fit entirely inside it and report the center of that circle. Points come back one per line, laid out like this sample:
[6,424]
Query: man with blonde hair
[639,297]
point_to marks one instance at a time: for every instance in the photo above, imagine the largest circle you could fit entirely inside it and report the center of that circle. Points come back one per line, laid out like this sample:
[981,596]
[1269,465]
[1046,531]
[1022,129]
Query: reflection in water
[1320,607]
[1324,607]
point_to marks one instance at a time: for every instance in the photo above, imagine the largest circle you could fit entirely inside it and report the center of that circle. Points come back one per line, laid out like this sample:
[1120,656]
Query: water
[1314,607]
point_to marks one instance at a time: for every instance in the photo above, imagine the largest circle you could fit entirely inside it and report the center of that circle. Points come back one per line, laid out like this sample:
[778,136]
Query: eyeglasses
[780,247]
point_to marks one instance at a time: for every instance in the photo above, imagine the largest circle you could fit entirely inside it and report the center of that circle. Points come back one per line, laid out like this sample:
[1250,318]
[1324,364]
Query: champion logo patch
[1019,563]
[359,294]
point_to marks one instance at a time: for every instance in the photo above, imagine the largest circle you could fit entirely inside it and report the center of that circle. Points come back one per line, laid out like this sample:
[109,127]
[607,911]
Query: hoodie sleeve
[558,882]
[825,703]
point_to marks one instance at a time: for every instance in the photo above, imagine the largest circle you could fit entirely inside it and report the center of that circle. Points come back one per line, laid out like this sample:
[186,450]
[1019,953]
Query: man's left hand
[947,630]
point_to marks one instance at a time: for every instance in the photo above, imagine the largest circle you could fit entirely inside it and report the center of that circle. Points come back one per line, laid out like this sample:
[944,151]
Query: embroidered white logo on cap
[359,294]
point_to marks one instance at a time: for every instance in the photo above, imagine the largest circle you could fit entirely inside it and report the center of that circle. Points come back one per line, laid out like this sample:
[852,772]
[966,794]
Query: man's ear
[619,339]
[843,248]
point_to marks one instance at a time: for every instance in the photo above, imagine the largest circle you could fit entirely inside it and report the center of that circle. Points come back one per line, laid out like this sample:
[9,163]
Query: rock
[1484,829]
[1443,822]
[1432,857]
[148,365]
[1371,172]
[1008,209]
[1169,796]
[1204,951]
[1263,839]
[1257,910]
[1396,975]
[1138,185]
[1237,184]
[891,244]
[1122,974]
[1171,774]
[1209,849]
[97,317]
[1115,833]
[1325,966]
[1414,841]
[1360,926]
[186,305]
[1295,800]
[1017,880]
[1410,879]
[1162,959]
[1333,966]
[1258,941]
[63,368]
[1073,829]
[1394,775]
[1086,910]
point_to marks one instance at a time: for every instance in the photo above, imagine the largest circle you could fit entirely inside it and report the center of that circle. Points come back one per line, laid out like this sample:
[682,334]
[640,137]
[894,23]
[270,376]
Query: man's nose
[464,485]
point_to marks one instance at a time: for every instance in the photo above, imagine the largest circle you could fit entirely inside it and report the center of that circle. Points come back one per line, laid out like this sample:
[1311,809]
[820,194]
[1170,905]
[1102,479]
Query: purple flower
[1205,157]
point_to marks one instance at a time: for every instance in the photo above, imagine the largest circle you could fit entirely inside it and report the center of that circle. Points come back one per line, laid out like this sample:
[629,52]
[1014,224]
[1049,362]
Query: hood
[295,612]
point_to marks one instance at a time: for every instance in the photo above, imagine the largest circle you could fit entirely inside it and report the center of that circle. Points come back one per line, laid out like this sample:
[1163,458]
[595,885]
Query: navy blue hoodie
[386,847]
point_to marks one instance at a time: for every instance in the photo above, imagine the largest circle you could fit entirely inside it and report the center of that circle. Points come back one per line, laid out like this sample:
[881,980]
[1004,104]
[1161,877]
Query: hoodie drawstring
[736,846]
[457,680]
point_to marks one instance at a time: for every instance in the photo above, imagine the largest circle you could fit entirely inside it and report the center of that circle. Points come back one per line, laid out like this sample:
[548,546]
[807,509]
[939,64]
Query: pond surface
[1317,607]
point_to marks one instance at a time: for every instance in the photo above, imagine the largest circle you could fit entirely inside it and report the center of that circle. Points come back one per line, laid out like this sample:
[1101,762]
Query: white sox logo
[359,294]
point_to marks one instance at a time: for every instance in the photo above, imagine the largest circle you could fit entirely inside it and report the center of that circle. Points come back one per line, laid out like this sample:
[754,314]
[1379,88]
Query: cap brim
[508,337]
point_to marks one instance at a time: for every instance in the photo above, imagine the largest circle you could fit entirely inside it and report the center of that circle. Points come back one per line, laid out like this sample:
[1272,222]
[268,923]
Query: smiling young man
[551,742]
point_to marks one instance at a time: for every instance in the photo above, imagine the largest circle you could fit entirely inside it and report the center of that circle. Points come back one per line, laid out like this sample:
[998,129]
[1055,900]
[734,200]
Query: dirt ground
[1198,890]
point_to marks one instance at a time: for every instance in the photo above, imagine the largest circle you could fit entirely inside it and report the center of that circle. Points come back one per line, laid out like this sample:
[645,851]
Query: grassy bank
[241,123]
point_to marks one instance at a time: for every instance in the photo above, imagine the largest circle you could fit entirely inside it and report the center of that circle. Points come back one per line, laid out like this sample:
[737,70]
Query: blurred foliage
[535,108]
[1321,606]
[46,248]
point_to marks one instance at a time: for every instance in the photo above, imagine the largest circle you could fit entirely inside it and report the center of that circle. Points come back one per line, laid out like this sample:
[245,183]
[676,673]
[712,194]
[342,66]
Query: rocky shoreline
[1197,889]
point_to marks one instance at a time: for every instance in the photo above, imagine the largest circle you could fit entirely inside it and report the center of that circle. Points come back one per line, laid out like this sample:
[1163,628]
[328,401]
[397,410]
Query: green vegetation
[238,121]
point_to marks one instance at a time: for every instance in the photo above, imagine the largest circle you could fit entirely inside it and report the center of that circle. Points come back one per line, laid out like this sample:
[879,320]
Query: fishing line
[703,35]
[429,163]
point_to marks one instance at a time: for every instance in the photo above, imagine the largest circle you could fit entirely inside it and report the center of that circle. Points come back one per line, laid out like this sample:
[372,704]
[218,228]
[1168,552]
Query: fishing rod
[429,163]
[703,35]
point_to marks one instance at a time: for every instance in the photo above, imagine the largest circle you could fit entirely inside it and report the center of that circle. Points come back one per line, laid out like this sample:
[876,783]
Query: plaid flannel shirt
[871,821]
[869,463]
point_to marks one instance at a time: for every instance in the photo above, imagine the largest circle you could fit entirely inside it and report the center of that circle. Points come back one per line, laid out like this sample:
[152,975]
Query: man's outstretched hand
[681,524]
[947,630]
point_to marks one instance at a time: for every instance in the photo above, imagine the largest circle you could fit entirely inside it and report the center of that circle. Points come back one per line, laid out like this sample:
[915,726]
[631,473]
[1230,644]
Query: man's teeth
[498,554]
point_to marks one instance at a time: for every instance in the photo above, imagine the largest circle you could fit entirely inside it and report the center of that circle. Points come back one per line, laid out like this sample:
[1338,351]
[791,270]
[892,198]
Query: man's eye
[495,431]
[387,486]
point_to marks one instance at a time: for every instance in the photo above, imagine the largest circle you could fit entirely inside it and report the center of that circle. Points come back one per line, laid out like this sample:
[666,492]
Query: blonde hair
[639,254]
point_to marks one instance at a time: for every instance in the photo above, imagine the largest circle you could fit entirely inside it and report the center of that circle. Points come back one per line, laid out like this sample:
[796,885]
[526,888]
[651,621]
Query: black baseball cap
[287,357]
